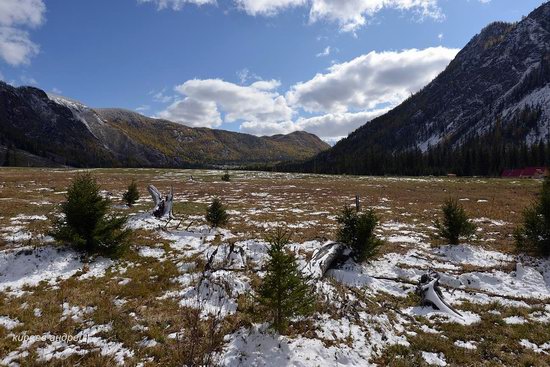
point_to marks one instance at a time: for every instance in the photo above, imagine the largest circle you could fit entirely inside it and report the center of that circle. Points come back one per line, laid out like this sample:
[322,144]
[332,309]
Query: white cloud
[256,102]
[370,80]
[16,48]
[177,4]
[344,98]
[57,91]
[268,7]
[353,14]
[193,112]
[349,14]
[328,127]
[22,12]
[325,52]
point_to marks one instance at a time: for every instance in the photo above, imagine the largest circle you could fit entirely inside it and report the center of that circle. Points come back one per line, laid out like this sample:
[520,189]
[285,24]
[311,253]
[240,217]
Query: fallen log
[325,258]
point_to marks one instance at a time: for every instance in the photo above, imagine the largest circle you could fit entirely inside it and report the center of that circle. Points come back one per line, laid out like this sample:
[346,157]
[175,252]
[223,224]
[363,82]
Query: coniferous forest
[502,147]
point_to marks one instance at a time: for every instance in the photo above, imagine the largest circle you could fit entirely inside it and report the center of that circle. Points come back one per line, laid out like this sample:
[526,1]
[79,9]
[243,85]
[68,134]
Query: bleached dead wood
[325,258]
[163,205]
[428,289]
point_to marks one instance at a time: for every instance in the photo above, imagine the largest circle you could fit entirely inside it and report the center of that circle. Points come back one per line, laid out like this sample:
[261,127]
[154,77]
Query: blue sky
[256,66]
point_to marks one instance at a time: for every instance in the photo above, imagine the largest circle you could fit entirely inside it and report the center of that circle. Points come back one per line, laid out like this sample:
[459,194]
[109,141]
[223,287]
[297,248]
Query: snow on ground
[157,253]
[434,359]
[30,266]
[259,346]
[471,255]
[8,323]
[466,344]
[350,342]
[345,339]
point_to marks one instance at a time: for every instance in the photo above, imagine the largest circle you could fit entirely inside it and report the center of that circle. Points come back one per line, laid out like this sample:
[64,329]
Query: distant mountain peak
[68,132]
[502,76]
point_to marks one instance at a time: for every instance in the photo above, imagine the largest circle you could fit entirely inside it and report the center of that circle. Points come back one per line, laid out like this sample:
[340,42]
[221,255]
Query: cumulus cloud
[335,103]
[22,12]
[204,100]
[193,112]
[16,48]
[239,102]
[370,80]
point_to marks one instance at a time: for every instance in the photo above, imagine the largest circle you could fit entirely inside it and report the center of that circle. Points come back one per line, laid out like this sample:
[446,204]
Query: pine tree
[86,224]
[132,195]
[284,291]
[216,214]
[534,234]
[455,223]
[357,231]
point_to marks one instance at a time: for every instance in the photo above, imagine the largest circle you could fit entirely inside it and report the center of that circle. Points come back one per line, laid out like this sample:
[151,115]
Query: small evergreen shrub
[226,177]
[216,214]
[534,234]
[357,231]
[284,291]
[455,223]
[132,195]
[86,224]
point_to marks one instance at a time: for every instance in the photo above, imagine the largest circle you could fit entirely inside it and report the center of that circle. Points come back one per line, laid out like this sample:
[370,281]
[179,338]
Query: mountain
[489,109]
[59,131]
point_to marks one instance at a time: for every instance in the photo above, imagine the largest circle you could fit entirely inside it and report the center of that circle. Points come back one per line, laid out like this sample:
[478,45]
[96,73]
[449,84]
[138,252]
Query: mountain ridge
[502,73]
[67,132]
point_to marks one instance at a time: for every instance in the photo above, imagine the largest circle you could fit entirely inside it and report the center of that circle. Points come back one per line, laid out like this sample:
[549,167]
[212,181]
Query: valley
[188,287]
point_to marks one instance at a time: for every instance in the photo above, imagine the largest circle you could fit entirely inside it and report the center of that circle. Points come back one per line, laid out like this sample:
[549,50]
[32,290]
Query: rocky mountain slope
[66,132]
[501,79]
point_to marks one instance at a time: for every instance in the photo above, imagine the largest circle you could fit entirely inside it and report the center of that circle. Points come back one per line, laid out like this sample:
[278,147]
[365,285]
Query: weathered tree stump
[163,205]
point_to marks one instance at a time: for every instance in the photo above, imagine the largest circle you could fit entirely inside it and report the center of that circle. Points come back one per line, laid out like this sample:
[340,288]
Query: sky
[262,67]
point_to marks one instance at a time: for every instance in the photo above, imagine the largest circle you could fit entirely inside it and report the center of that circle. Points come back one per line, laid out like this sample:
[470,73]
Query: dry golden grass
[306,202]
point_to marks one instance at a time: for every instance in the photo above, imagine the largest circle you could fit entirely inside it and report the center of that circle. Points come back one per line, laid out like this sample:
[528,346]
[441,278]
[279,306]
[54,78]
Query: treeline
[502,147]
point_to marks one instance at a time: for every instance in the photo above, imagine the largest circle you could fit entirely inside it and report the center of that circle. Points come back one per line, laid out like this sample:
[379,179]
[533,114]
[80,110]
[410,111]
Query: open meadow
[184,296]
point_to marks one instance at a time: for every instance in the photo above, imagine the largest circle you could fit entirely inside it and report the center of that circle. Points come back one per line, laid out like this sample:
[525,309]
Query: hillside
[66,132]
[496,92]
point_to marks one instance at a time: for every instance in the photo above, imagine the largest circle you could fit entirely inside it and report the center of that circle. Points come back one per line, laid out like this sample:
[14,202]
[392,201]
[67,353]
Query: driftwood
[428,288]
[163,205]
[326,258]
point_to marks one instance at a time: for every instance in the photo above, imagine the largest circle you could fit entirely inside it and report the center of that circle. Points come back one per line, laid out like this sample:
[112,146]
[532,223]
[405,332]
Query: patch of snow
[544,348]
[30,266]
[157,253]
[9,323]
[514,320]
[466,344]
[472,255]
[434,359]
